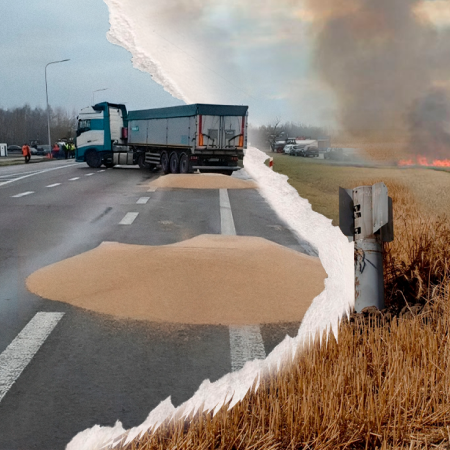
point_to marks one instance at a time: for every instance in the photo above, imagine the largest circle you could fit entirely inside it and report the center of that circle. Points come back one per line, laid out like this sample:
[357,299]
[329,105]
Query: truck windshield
[83,125]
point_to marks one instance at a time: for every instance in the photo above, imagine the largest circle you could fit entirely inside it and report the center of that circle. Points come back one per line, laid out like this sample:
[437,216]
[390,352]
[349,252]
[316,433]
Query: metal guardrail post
[365,216]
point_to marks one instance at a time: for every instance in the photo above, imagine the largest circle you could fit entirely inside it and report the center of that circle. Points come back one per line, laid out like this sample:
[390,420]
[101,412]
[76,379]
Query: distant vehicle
[288,148]
[278,146]
[43,150]
[14,149]
[309,150]
[341,154]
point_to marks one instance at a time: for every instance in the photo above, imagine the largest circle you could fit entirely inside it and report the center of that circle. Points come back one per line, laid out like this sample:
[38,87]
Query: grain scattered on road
[201,181]
[209,279]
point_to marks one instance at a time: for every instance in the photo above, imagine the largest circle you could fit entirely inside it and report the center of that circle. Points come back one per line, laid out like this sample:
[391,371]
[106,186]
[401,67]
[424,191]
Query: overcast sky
[256,52]
[34,33]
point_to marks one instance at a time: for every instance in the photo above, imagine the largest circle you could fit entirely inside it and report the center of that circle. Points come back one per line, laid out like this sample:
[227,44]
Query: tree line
[21,125]
[265,136]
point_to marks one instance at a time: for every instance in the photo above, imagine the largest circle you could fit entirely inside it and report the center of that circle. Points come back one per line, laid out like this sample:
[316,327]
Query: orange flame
[423,161]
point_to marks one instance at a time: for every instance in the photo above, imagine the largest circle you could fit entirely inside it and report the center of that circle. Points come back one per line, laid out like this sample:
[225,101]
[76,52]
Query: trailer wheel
[165,162]
[93,159]
[184,163]
[174,163]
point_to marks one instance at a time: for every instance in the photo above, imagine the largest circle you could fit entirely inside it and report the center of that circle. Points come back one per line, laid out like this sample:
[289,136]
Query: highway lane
[95,369]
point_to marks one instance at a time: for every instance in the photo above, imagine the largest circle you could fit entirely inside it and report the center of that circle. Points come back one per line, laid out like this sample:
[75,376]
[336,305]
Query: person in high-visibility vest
[26,152]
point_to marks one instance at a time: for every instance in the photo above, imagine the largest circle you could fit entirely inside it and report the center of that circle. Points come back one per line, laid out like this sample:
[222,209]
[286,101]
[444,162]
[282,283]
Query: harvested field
[175,284]
[319,182]
[201,181]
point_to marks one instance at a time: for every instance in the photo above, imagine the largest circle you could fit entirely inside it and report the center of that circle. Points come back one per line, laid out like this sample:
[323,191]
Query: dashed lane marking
[226,216]
[99,171]
[142,200]
[246,343]
[20,352]
[152,190]
[88,174]
[74,178]
[22,194]
[53,185]
[129,218]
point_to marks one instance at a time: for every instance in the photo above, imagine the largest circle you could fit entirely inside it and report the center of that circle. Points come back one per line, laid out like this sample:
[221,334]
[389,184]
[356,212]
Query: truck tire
[93,159]
[174,163]
[184,163]
[165,166]
[141,162]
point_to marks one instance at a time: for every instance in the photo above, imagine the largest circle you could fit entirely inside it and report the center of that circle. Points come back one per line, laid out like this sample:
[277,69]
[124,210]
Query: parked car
[288,148]
[309,150]
[43,150]
[14,149]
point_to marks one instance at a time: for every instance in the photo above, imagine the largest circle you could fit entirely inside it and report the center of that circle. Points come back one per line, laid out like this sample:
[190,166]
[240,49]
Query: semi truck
[179,139]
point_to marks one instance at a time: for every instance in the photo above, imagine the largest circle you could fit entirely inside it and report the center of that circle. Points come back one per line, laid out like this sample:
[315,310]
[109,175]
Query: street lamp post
[97,90]
[48,108]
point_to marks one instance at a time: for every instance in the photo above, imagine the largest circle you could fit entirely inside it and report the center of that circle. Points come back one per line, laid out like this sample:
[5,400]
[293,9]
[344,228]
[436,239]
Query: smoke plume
[384,61]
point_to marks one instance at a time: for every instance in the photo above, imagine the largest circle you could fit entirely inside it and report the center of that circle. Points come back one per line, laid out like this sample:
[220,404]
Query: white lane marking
[142,200]
[20,352]
[99,171]
[88,174]
[246,344]
[129,218]
[35,173]
[152,190]
[74,178]
[54,184]
[22,194]
[226,216]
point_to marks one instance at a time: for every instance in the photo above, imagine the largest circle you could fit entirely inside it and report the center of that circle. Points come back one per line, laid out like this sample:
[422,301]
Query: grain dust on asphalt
[209,279]
[201,181]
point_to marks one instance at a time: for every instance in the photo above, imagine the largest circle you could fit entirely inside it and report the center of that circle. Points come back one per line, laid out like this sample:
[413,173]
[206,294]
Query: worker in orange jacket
[26,152]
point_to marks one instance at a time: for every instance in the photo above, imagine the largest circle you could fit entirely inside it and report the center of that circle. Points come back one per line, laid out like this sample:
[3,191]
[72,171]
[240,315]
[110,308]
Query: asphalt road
[92,368]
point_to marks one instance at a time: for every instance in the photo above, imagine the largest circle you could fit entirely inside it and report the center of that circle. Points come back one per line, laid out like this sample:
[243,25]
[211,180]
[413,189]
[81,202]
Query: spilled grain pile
[210,279]
[201,181]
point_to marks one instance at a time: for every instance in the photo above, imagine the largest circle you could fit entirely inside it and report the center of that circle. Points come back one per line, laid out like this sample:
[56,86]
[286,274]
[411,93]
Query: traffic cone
[271,163]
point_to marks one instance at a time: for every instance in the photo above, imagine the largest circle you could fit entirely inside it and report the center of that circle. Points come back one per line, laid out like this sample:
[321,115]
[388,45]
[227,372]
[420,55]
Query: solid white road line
[246,342]
[246,345]
[226,216]
[88,174]
[142,200]
[129,218]
[34,173]
[54,184]
[73,179]
[20,352]
[22,194]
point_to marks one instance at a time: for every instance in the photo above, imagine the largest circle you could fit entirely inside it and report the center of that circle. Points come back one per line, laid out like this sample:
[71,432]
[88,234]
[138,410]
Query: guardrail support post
[365,216]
